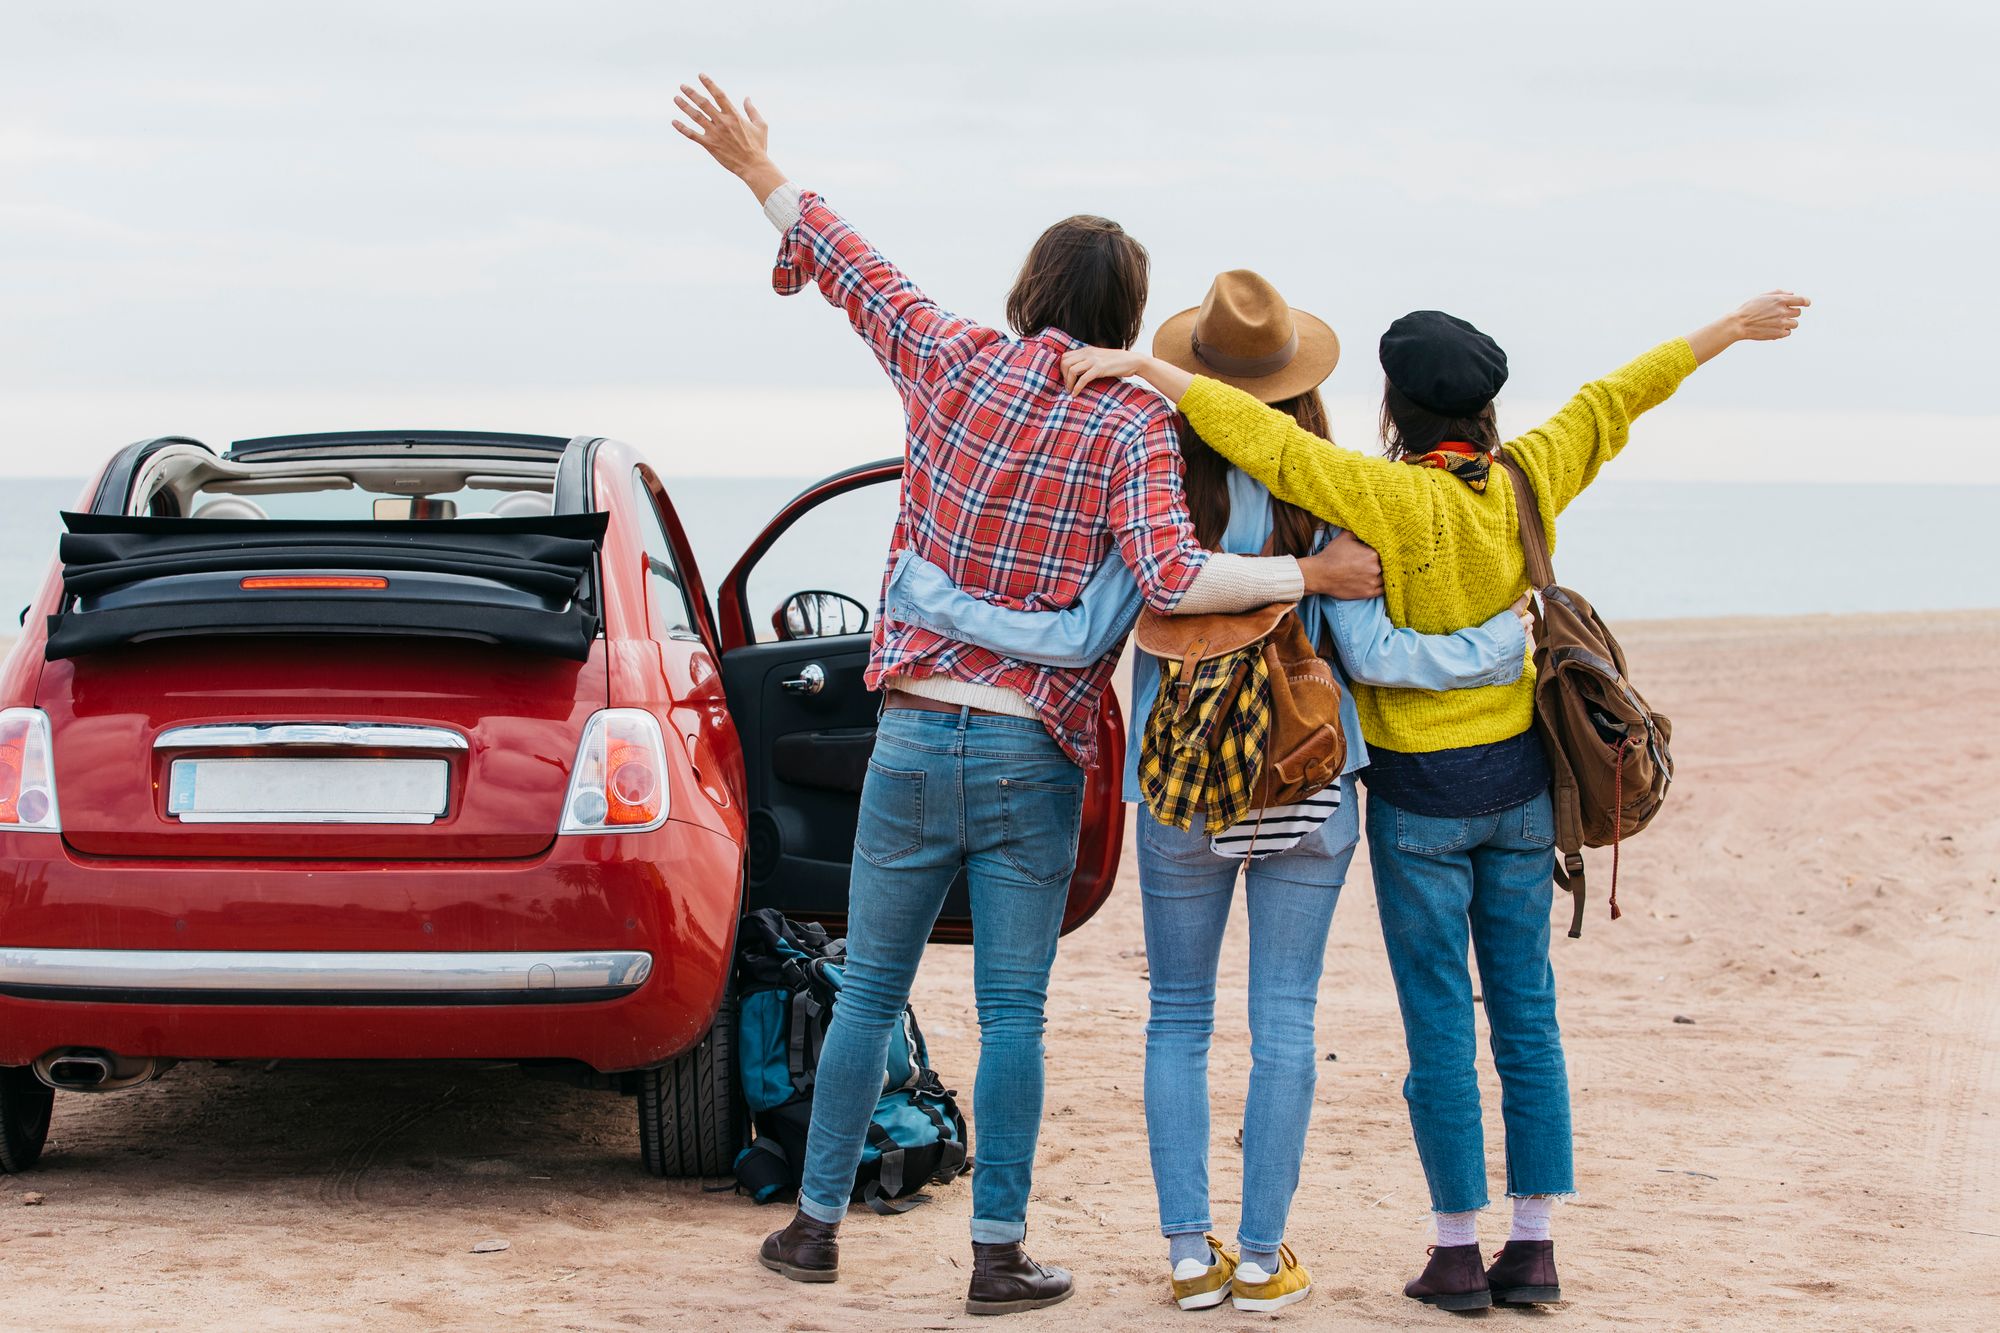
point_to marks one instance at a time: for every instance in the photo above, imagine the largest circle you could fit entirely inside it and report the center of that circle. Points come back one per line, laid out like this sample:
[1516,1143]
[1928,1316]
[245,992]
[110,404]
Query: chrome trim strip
[354,735]
[306,973]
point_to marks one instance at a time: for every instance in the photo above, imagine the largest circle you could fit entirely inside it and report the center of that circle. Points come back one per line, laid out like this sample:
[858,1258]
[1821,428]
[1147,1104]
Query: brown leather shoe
[1454,1279]
[1005,1281]
[1524,1273]
[806,1251]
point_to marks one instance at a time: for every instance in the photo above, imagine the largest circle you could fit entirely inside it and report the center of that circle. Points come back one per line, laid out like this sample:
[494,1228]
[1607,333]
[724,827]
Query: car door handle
[810,680]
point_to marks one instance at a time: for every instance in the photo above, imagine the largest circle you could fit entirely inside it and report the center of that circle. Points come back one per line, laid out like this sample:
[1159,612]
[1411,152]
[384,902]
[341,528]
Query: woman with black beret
[1460,827]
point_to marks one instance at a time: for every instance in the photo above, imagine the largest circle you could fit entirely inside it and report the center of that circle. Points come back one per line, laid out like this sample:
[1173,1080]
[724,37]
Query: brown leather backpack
[1608,749]
[1306,748]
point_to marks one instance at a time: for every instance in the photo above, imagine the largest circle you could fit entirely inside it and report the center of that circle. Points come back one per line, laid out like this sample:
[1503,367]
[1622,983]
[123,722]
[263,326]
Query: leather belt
[925,704]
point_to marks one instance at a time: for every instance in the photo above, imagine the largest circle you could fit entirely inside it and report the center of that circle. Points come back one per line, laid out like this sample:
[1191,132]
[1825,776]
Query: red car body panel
[491,875]
[672,893]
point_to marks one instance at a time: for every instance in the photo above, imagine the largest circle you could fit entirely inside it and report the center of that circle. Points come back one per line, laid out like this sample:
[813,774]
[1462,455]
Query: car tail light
[27,773]
[620,782]
[266,582]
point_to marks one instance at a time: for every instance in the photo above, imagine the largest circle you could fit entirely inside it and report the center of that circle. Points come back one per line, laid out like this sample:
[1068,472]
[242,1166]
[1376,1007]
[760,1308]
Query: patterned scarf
[1203,749]
[1468,462]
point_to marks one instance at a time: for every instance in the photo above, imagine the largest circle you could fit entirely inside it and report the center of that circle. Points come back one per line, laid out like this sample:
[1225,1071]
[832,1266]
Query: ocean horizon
[1640,550]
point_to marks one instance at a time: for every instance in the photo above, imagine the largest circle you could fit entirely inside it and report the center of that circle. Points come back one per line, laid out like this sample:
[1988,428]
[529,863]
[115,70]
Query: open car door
[795,620]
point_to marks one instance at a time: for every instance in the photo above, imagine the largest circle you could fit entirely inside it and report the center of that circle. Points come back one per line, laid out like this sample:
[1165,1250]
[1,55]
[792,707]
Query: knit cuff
[1242,583]
[781,206]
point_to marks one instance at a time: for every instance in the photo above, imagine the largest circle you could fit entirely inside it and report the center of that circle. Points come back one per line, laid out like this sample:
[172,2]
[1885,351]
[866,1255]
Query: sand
[1817,1148]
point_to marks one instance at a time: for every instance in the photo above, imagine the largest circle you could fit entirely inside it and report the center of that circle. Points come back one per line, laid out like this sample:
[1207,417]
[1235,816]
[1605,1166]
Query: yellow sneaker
[1254,1289]
[1199,1286]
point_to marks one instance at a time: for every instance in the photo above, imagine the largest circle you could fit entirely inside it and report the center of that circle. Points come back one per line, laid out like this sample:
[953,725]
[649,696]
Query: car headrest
[523,504]
[230,506]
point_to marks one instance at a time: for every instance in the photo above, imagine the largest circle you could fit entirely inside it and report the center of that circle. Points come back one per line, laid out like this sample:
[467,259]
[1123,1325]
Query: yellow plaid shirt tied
[1204,745]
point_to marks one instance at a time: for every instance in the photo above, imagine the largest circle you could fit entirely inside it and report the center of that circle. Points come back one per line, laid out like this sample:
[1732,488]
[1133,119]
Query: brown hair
[1408,429]
[1086,277]
[1292,528]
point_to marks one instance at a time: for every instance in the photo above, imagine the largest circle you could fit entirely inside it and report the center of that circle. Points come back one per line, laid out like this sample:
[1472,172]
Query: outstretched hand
[738,141]
[1770,316]
[1763,318]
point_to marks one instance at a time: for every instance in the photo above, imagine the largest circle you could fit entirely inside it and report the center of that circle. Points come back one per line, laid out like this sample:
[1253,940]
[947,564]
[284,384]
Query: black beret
[1442,363]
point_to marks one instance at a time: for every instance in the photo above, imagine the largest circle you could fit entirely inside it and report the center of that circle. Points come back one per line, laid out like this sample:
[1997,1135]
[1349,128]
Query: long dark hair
[1085,276]
[1409,430]
[1293,529]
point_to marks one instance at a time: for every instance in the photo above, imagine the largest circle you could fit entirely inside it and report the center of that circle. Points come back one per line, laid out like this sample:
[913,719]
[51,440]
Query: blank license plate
[307,791]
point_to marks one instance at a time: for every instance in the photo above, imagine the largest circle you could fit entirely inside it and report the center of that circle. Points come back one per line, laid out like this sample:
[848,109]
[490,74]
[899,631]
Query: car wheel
[691,1111]
[25,1106]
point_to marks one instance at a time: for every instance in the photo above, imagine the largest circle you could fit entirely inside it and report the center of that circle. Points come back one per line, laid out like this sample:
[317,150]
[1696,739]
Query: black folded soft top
[519,582]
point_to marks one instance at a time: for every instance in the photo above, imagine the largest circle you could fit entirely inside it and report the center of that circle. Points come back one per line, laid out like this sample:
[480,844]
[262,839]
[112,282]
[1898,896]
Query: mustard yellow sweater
[1451,556]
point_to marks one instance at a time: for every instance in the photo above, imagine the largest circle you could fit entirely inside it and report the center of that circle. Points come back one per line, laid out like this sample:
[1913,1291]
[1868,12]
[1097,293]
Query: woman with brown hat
[1460,828]
[1293,860]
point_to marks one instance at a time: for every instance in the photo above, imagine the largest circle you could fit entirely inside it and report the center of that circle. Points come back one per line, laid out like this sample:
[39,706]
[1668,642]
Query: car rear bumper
[186,976]
[320,960]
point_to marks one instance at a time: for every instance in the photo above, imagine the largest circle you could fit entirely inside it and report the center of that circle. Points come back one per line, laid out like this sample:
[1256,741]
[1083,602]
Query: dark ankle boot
[1454,1279]
[806,1251]
[1005,1280]
[1524,1273]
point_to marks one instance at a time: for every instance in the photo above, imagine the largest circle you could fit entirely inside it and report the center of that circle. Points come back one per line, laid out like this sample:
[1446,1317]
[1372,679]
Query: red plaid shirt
[1010,485]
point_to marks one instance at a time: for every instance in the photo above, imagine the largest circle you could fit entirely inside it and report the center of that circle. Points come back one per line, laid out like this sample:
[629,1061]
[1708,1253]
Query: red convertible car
[420,746]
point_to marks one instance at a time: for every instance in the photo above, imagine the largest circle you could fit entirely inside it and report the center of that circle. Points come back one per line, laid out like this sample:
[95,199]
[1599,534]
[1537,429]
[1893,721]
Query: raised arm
[1563,454]
[911,335]
[1385,504]
[1151,531]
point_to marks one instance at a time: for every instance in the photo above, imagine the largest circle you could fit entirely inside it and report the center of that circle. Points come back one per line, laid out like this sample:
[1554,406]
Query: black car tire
[26,1104]
[691,1121]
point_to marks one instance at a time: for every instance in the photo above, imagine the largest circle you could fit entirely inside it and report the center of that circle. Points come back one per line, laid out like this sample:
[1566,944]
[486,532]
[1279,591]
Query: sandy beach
[1785,1063]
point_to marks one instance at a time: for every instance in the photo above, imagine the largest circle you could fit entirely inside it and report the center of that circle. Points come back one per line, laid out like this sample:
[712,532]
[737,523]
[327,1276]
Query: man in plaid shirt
[1018,491]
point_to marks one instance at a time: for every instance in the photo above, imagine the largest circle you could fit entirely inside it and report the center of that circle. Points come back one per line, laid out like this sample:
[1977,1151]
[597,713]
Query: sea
[1638,549]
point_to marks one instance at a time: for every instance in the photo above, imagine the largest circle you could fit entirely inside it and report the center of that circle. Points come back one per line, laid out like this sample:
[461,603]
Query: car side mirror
[817,614]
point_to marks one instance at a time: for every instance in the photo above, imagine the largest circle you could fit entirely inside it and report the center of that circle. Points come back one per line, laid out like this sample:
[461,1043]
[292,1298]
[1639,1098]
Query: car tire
[26,1104]
[691,1121]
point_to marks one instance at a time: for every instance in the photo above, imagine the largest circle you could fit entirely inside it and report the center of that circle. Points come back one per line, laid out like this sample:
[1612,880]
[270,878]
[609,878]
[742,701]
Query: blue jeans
[1489,878]
[1186,891]
[996,797]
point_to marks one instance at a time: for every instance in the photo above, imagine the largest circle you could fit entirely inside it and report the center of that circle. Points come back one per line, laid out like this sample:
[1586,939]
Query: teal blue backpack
[788,979]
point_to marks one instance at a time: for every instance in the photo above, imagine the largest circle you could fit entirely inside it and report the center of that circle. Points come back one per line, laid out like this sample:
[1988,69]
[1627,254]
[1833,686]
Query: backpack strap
[1542,577]
[1534,537]
[801,1055]
[1569,876]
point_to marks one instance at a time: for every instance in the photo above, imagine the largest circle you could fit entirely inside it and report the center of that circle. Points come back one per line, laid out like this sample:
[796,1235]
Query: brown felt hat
[1244,334]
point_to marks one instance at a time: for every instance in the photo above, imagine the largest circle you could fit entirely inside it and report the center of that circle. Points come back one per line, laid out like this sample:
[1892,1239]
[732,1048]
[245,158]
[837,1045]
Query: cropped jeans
[995,797]
[1186,891]
[1488,880]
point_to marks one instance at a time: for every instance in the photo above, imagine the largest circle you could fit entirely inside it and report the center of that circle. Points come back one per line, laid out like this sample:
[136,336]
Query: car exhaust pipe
[97,1071]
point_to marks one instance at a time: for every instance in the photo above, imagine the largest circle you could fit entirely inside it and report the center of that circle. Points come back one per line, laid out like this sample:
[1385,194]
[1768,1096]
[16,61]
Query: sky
[231,219]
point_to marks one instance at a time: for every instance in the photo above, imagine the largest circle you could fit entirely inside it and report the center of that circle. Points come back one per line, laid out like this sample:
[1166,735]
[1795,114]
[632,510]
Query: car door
[794,620]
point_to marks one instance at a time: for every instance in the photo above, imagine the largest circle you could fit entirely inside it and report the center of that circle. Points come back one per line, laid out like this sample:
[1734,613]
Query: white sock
[1457,1228]
[1531,1218]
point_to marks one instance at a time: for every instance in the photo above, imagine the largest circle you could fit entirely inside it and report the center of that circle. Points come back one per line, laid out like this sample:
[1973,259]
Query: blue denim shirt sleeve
[921,594]
[1376,652]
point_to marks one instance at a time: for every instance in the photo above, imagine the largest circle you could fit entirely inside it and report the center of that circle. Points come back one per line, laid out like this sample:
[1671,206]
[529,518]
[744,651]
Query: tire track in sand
[342,1185]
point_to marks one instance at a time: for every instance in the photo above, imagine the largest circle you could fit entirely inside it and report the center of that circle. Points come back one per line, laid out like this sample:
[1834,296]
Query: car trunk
[306,747]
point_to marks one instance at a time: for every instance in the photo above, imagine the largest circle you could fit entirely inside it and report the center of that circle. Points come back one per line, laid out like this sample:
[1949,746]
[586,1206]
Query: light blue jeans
[1488,880]
[1186,890]
[996,797]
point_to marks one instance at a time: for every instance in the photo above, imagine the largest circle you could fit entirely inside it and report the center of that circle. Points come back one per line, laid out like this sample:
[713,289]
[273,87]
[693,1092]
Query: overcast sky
[232,219]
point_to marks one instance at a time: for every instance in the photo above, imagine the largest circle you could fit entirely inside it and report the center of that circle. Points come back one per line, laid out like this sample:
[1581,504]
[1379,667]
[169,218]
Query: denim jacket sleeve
[921,594]
[1375,652]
